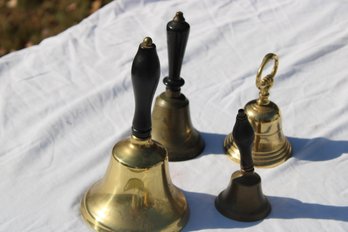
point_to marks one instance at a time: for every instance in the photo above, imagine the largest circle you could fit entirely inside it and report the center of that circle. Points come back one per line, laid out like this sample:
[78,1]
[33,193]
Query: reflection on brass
[270,147]
[243,199]
[171,120]
[136,193]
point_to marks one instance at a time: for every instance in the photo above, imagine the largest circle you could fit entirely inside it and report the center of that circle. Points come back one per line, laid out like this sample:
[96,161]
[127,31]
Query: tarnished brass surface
[270,147]
[243,199]
[172,127]
[171,122]
[136,193]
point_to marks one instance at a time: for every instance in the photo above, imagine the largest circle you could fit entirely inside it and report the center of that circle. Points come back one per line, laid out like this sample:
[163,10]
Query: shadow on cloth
[289,208]
[316,149]
[203,214]
[214,143]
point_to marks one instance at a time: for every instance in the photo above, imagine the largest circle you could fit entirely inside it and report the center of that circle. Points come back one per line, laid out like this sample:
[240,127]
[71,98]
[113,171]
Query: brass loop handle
[266,82]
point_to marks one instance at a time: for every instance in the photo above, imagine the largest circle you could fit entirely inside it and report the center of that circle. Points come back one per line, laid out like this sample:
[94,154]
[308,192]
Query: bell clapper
[243,199]
[171,115]
[136,193]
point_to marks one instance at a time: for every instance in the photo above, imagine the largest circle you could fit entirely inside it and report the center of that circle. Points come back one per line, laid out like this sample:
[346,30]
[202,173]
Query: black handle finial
[243,136]
[145,77]
[177,35]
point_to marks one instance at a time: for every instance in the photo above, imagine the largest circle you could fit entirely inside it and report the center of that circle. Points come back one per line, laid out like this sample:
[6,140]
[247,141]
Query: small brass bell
[136,193]
[243,199]
[270,147]
[171,120]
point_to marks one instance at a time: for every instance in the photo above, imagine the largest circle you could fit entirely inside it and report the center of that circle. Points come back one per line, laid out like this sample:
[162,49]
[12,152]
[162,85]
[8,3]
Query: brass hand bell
[171,115]
[243,199]
[136,193]
[271,147]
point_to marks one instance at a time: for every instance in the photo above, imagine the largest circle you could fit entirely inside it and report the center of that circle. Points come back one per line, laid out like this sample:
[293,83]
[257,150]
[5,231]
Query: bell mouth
[261,159]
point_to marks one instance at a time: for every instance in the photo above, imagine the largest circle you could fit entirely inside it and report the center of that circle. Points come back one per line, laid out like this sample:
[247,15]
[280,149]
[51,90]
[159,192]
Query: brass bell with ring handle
[270,147]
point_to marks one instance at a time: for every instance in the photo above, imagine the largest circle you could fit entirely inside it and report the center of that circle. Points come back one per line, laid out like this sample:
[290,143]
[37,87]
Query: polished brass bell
[270,147]
[171,120]
[136,193]
[243,199]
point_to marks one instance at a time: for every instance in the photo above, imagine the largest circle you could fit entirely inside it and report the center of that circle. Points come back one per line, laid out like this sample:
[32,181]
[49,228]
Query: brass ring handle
[267,81]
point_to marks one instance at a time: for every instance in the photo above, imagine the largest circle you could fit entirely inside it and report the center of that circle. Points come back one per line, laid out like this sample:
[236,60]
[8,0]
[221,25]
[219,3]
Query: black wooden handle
[145,77]
[177,35]
[243,136]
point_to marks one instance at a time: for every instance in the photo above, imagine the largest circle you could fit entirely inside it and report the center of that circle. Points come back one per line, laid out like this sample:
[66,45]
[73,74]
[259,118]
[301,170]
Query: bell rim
[275,158]
[177,157]
[94,224]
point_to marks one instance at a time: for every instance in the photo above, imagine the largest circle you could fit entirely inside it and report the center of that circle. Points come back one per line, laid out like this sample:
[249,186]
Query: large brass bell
[243,199]
[136,193]
[270,147]
[171,120]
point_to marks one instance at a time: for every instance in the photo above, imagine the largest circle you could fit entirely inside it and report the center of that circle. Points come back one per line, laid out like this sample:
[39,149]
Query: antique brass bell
[243,199]
[136,193]
[270,147]
[171,120]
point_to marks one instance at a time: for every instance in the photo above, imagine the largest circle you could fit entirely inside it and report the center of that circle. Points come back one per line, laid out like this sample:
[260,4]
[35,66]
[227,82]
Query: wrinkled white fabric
[67,101]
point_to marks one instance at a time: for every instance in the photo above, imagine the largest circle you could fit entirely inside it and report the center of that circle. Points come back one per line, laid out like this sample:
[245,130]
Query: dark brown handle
[243,136]
[145,77]
[177,35]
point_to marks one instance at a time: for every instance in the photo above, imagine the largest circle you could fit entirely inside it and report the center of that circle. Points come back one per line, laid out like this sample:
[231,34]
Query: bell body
[172,127]
[136,193]
[270,147]
[243,199]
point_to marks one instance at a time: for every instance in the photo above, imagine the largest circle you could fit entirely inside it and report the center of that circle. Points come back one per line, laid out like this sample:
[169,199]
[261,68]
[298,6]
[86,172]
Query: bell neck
[172,94]
[263,97]
[141,141]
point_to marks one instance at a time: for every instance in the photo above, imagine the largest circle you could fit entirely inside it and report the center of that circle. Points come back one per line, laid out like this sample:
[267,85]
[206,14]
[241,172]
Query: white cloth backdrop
[67,101]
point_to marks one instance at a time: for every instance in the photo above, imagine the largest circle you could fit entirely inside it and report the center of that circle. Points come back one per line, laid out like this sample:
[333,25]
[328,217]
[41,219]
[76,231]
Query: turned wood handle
[145,77]
[243,136]
[177,35]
